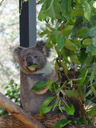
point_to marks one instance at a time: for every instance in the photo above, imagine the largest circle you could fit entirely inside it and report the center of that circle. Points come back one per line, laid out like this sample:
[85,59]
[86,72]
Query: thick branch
[19,113]
[49,121]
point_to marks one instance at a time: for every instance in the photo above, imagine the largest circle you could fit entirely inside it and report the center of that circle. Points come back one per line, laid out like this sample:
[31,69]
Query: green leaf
[67,30]
[60,41]
[42,15]
[92,111]
[70,45]
[35,66]
[39,85]
[83,55]
[77,42]
[93,51]
[11,82]
[88,60]
[87,41]
[92,31]
[65,68]
[44,107]
[56,103]
[78,22]
[83,32]
[54,34]
[47,10]
[49,84]
[83,76]
[62,123]
[93,89]
[75,59]
[78,11]
[93,74]
[93,77]
[94,41]
[87,10]
[72,93]
[50,11]
[40,1]
[69,109]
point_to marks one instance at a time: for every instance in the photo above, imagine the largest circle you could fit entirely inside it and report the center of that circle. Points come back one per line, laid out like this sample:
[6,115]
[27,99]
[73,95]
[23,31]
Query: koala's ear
[16,53]
[41,46]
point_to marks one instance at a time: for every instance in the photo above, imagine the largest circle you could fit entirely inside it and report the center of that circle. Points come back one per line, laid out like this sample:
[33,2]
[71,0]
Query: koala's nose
[29,61]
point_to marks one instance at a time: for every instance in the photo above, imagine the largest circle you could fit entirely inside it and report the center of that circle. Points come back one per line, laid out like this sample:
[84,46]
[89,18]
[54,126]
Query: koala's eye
[35,56]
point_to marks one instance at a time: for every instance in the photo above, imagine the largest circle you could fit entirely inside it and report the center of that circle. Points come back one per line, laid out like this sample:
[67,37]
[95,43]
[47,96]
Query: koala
[25,57]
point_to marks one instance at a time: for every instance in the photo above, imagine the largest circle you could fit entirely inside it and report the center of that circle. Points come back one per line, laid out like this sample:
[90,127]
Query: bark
[48,120]
[19,113]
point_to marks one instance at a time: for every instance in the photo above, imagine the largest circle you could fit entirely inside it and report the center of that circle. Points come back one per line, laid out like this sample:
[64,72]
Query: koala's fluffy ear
[41,46]
[16,53]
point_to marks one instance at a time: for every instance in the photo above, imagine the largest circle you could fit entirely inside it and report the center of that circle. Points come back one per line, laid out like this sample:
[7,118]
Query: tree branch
[17,112]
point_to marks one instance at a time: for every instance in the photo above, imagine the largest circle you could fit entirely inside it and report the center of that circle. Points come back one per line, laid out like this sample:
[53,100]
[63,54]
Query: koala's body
[31,100]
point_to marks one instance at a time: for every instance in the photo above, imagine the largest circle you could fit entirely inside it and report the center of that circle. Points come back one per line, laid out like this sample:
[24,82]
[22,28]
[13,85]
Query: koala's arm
[53,77]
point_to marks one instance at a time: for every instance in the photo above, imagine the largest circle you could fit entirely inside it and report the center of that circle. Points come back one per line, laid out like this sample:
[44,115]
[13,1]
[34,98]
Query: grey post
[28,23]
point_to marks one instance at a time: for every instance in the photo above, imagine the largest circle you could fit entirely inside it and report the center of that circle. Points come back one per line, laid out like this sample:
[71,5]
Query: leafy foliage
[13,93]
[71,29]
[62,123]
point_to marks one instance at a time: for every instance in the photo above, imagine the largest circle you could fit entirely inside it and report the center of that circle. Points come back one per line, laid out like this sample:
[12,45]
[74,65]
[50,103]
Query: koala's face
[27,57]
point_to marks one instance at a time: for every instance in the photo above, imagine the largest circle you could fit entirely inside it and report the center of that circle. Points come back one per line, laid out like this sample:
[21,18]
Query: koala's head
[31,56]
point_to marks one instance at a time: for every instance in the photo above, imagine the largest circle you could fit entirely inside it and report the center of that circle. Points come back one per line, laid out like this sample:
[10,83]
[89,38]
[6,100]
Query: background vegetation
[9,39]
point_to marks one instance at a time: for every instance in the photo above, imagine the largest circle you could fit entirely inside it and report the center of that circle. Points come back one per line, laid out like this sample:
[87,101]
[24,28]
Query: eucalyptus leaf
[45,108]
[87,41]
[60,41]
[72,93]
[92,31]
[70,45]
[78,11]
[83,32]
[69,109]
[75,59]
[87,10]
[39,85]
[51,11]
[92,111]
[83,76]
[47,10]
[94,41]
[62,123]
[93,74]
[34,66]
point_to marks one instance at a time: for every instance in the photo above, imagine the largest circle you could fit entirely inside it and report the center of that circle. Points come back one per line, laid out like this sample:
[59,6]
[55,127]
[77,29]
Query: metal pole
[28,23]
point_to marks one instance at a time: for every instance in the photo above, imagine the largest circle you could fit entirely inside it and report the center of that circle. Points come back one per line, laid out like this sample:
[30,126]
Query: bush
[13,93]
[71,29]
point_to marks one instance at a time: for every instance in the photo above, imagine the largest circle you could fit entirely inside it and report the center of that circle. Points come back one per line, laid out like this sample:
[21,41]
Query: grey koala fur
[31,100]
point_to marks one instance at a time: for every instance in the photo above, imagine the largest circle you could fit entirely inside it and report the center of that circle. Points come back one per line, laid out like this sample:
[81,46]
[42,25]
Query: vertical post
[27,27]
[28,23]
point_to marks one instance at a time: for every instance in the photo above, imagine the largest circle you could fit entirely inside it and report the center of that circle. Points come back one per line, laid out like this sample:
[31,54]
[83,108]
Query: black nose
[29,61]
